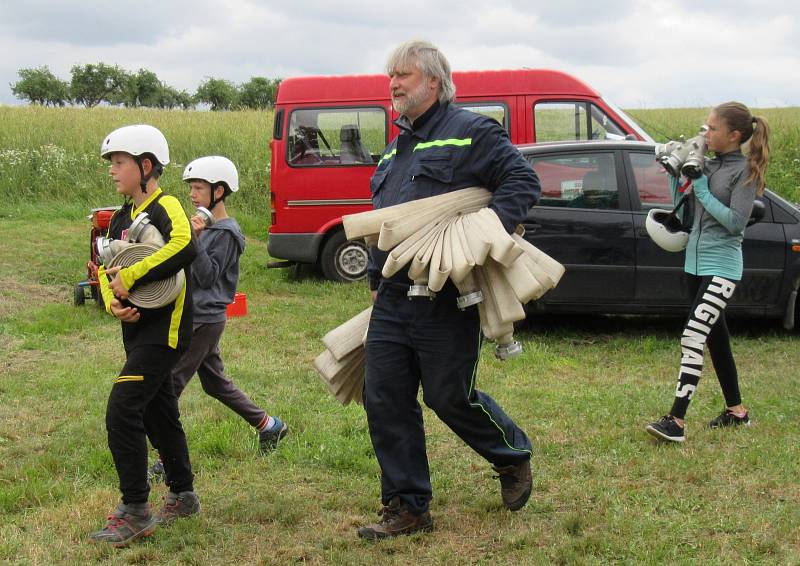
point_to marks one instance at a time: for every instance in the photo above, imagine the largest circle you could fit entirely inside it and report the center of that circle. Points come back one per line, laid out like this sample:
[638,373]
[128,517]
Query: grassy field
[604,492]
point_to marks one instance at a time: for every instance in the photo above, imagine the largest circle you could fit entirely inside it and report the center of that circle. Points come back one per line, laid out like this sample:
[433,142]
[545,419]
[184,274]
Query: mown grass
[604,492]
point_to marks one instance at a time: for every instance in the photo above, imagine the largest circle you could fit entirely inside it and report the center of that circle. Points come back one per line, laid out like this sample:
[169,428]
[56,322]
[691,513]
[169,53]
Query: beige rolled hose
[341,365]
[349,336]
[369,223]
[405,252]
[151,295]
[452,236]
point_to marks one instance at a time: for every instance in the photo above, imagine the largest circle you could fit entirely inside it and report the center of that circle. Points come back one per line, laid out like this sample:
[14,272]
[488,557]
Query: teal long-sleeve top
[723,206]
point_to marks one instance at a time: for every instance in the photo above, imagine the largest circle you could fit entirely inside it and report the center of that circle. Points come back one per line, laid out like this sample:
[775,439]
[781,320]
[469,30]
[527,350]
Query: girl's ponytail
[758,153]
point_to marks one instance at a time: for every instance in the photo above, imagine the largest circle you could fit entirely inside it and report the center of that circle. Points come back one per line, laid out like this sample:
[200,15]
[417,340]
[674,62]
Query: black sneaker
[269,437]
[727,418]
[666,429]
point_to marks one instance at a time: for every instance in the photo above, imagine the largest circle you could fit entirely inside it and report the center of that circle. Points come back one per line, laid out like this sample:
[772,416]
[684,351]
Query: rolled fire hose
[451,236]
[151,295]
[341,365]
[456,236]
[143,240]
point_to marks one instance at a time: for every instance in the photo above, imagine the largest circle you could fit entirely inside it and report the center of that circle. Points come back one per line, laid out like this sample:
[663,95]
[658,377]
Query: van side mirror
[758,212]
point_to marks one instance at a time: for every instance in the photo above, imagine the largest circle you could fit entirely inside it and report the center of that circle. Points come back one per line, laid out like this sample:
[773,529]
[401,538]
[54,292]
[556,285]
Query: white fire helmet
[214,169]
[666,230]
[136,140]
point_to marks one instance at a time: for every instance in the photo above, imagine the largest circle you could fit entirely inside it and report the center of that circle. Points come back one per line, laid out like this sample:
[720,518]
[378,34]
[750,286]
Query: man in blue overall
[412,341]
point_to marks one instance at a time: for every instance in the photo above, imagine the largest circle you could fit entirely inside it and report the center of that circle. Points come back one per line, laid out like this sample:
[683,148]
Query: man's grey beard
[411,99]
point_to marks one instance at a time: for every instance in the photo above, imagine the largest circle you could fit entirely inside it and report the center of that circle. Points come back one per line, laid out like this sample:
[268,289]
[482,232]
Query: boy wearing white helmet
[142,402]
[215,274]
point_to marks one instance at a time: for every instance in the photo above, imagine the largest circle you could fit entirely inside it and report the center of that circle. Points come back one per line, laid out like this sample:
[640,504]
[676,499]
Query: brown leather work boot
[396,520]
[515,484]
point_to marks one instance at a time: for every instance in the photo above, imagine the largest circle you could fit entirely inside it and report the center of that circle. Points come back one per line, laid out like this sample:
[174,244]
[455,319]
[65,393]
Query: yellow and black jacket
[170,325]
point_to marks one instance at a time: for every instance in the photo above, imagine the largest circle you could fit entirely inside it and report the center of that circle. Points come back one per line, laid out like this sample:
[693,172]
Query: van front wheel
[342,259]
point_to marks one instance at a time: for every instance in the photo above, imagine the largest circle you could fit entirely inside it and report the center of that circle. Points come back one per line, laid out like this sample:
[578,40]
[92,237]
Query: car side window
[580,180]
[578,120]
[495,111]
[336,136]
[651,181]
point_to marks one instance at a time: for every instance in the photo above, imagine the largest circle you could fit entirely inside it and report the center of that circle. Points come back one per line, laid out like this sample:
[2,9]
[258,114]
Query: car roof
[584,145]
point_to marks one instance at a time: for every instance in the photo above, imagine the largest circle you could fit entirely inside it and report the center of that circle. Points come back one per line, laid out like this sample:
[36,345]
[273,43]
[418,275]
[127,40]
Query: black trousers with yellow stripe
[433,344]
[143,404]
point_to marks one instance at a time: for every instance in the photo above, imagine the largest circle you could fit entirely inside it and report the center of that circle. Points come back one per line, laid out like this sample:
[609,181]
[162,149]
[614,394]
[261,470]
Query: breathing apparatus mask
[682,156]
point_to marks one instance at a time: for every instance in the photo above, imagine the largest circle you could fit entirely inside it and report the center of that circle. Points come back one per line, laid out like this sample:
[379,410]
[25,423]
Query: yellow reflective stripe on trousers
[387,156]
[482,408]
[175,319]
[441,143]
[124,378]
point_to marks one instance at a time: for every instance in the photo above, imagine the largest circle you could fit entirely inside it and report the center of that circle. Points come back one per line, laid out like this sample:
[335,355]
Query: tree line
[93,84]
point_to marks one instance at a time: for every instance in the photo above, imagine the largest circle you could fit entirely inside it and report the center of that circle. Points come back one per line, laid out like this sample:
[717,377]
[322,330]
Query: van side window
[566,121]
[578,180]
[651,180]
[329,137]
[496,112]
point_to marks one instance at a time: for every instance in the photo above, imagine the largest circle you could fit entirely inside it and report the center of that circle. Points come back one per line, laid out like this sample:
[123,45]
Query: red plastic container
[239,305]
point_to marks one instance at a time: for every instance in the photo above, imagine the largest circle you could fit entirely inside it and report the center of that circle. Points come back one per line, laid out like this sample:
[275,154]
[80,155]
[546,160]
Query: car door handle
[531,228]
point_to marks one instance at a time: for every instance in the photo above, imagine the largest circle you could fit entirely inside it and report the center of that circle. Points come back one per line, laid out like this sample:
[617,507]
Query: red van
[330,131]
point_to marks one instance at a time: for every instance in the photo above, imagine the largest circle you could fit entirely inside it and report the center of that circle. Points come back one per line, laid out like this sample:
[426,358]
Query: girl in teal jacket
[723,202]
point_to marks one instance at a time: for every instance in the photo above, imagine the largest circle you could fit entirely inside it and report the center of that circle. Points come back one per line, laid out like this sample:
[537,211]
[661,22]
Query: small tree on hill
[93,84]
[40,86]
[259,93]
[140,89]
[218,93]
[170,98]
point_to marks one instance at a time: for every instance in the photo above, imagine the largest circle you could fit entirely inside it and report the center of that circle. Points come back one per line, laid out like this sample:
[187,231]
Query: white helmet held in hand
[213,169]
[136,140]
[666,230]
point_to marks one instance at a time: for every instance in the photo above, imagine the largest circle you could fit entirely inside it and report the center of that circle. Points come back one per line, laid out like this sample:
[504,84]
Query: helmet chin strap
[144,178]
[213,202]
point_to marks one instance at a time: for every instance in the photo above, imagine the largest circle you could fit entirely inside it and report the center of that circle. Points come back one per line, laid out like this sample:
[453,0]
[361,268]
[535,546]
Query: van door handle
[532,227]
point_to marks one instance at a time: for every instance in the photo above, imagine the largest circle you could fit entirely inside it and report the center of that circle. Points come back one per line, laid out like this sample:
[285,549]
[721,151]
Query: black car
[591,218]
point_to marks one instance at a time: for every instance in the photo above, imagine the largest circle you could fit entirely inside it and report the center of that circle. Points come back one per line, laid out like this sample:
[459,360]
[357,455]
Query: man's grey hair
[429,60]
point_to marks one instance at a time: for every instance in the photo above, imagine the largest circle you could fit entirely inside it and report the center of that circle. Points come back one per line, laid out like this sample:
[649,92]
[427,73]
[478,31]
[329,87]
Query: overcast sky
[637,53]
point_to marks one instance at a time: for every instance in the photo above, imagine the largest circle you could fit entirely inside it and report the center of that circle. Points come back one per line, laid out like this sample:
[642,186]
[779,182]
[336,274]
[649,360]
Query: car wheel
[342,259]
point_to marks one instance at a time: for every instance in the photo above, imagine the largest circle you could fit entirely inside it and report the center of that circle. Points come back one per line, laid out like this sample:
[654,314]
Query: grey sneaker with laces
[177,505]
[125,524]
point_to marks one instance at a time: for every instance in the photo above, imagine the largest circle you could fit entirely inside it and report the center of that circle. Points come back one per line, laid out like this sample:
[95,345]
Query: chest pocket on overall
[376,183]
[430,175]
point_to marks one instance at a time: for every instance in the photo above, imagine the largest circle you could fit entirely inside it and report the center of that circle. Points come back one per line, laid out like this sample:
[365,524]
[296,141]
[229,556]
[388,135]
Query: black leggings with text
[706,325]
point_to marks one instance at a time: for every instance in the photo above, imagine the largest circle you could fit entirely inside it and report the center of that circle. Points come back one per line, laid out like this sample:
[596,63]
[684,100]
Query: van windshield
[630,121]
